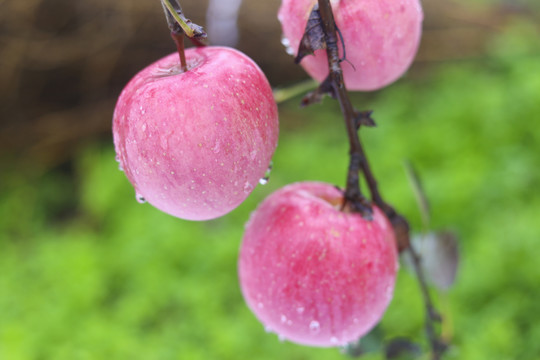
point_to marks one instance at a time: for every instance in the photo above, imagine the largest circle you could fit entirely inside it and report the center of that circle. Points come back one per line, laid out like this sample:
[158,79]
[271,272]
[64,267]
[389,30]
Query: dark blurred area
[63,63]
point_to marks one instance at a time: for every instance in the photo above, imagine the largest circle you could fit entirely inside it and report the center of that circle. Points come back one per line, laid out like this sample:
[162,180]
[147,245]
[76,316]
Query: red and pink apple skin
[194,144]
[381,39]
[312,273]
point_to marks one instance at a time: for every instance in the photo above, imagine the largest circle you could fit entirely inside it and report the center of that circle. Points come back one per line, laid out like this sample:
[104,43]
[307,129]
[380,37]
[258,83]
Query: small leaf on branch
[313,38]
[419,193]
[401,348]
[372,342]
[363,118]
[316,96]
[440,257]
[178,23]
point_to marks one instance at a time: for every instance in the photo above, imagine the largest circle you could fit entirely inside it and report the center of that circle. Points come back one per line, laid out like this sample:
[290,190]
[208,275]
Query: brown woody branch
[335,85]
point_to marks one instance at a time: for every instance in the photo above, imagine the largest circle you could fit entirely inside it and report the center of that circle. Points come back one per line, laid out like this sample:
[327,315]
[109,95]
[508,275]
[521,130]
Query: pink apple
[312,273]
[194,144]
[381,38]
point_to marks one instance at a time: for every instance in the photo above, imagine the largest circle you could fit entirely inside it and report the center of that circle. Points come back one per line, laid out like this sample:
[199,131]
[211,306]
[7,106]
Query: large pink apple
[312,273]
[381,38]
[194,144]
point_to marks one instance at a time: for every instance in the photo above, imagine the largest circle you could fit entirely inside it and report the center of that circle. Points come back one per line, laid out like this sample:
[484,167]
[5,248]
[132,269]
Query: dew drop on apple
[300,309]
[264,180]
[120,167]
[334,340]
[253,155]
[283,319]
[281,338]
[285,42]
[314,327]
[140,198]
[248,187]
[268,329]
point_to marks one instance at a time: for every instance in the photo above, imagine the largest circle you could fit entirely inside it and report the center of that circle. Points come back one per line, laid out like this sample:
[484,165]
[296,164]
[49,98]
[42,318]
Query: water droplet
[142,110]
[120,167]
[140,198]
[264,180]
[268,329]
[285,42]
[281,338]
[334,340]
[389,291]
[283,319]
[314,326]
[260,305]
[248,187]
[300,310]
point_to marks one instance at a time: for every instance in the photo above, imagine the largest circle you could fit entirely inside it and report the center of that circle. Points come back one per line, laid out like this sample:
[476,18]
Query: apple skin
[194,144]
[313,274]
[381,39]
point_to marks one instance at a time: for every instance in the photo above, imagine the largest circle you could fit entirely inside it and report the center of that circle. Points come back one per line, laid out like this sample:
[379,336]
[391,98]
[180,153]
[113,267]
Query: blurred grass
[88,273]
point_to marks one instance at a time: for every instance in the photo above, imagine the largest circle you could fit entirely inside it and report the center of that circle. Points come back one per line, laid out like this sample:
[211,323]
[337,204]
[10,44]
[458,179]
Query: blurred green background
[88,273]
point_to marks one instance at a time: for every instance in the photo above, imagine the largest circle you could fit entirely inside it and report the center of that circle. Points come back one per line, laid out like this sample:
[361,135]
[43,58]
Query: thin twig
[358,161]
[432,316]
[353,195]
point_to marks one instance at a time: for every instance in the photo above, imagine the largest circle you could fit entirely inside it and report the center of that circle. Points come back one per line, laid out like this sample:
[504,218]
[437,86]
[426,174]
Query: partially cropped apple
[195,143]
[312,273]
[381,38]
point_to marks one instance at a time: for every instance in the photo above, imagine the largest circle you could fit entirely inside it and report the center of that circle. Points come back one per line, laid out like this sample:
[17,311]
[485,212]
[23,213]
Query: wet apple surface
[312,273]
[194,144]
[381,38]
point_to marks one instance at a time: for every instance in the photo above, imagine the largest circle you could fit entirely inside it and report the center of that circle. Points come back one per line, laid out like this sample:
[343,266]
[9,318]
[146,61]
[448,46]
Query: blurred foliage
[88,273]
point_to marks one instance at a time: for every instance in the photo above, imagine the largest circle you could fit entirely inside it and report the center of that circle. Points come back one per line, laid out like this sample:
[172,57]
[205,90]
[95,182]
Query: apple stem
[179,41]
[358,162]
[180,26]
